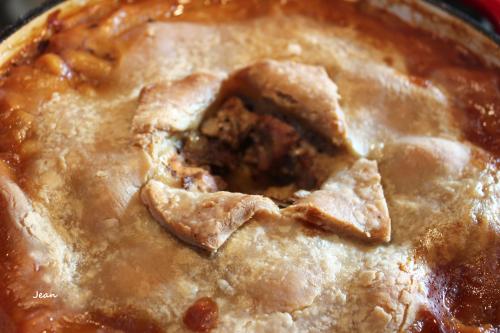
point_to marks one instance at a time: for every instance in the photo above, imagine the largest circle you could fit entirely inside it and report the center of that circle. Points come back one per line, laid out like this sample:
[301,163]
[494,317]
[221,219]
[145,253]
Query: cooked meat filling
[254,152]
[231,124]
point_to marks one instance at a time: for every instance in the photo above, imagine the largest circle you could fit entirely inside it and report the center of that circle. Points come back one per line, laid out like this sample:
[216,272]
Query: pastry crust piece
[301,91]
[351,201]
[176,106]
[205,220]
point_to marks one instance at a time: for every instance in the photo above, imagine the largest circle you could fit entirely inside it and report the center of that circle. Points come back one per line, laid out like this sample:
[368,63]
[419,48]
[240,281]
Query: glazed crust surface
[92,132]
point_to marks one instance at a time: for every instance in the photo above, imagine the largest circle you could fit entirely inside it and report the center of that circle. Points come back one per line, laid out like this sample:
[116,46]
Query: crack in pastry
[351,202]
[205,220]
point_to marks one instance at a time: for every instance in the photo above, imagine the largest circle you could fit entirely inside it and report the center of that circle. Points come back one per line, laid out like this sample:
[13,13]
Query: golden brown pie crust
[248,166]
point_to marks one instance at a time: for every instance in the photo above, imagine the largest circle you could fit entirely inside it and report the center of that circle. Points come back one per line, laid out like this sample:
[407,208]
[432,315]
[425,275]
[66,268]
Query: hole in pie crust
[273,131]
[254,152]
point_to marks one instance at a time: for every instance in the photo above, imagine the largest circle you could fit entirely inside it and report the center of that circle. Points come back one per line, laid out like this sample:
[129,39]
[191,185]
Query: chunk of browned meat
[231,124]
[301,91]
[272,140]
[200,150]
[351,201]
[194,178]
[177,105]
[205,220]
[253,150]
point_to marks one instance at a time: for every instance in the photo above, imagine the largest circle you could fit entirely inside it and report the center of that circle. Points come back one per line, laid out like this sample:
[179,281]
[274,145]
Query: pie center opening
[255,152]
